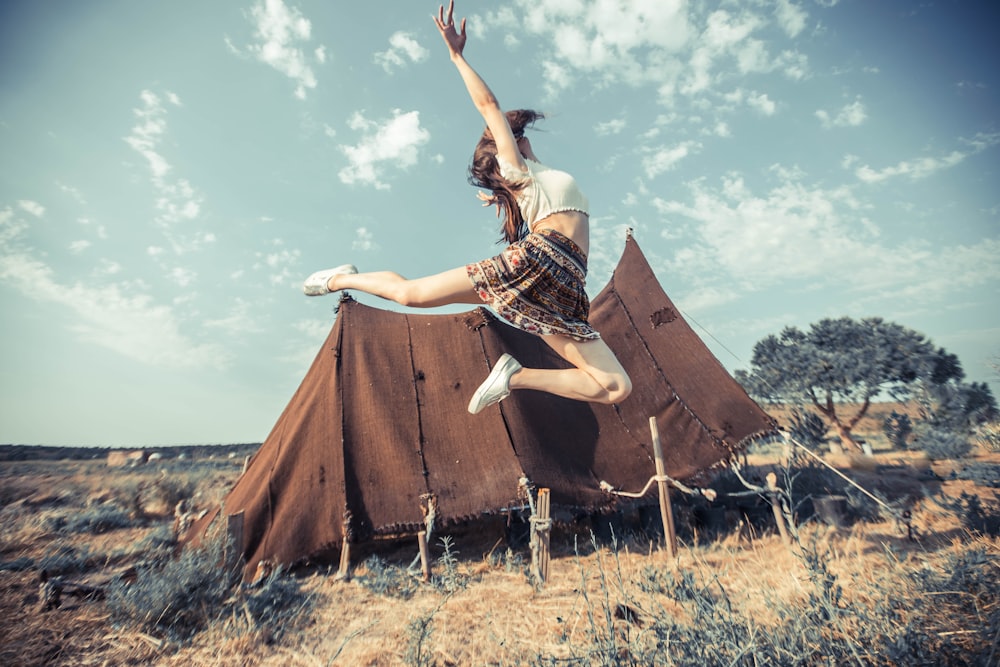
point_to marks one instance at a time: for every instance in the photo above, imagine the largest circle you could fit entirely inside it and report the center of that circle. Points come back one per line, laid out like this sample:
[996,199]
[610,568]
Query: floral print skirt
[537,284]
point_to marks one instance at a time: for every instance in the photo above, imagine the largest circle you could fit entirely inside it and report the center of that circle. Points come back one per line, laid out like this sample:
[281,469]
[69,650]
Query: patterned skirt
[537,284]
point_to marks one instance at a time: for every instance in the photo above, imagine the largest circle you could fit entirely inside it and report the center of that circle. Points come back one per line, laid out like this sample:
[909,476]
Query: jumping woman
[537,282]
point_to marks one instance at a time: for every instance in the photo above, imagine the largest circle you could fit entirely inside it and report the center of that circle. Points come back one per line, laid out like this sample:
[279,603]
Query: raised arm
[484,99]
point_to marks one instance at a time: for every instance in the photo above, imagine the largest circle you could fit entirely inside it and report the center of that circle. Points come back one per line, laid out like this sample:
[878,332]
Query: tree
[842,361]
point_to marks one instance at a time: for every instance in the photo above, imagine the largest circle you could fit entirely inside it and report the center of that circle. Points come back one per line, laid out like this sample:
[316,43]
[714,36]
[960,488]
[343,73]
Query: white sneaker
[496,387]
[317,283]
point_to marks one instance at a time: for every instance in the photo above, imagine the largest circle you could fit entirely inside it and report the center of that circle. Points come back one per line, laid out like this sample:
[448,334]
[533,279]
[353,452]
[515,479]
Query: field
[913,581]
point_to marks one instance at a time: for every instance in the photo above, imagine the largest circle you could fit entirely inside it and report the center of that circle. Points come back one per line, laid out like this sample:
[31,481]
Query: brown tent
[379,425]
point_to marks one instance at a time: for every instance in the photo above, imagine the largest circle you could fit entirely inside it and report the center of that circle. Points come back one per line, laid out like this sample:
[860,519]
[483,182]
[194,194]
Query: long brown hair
[484,172]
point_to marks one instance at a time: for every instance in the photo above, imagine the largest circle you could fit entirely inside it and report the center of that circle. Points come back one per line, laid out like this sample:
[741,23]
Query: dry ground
[483,609]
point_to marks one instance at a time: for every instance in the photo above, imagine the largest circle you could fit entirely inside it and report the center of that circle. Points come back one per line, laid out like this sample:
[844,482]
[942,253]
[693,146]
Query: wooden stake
[666,514]
[545,531]
[425,561]
[344,573]
[234,545]
[779,518]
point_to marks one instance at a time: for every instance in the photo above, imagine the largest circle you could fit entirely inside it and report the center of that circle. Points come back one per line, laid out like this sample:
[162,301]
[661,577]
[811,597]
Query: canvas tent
[378,428]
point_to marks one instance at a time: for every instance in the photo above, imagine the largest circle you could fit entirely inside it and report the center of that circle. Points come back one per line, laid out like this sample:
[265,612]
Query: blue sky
[171,171]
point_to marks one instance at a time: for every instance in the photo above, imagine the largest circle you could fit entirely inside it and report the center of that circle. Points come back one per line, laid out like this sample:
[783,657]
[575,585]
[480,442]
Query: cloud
[614,126]
[364,240]
[666,158]
[673,45]
[920,168]
[281,33]
[630,41]
[243,317]
[119,316]
[791,17]
[806,237]
[394,143]
[77,247]
[32,207]
[176,200]
[402,48]
[851,115]
[281,265]
[762,103]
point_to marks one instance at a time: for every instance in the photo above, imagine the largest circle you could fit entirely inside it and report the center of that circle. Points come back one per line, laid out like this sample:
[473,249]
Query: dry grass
[608,603]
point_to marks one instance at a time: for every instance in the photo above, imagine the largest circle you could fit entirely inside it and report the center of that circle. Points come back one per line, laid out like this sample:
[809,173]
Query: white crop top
[546,191]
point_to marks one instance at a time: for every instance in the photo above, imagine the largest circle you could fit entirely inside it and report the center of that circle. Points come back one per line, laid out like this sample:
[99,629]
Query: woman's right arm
[484,99]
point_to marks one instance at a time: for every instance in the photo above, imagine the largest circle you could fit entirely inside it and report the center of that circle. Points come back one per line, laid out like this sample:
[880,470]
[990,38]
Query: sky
[170,172]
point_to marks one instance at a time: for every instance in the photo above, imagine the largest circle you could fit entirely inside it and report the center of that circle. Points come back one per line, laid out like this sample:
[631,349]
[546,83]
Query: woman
[537,282]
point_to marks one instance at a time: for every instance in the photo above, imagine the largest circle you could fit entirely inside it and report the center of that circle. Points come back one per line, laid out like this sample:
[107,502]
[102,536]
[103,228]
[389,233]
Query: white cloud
[32,207]
[119,316]
[614,126]
[281,32]
[851,115]
[666,158]
[791,17]
[176,200]
[762,103]
[403,48]
[919,168]
[183,276]
[281,266]
[630,41]
[392,144]
[364,240]
[241,319]
[806,237]
[77,247]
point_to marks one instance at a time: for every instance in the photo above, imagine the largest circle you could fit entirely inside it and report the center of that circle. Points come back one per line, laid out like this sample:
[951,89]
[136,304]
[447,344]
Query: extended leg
[441,289]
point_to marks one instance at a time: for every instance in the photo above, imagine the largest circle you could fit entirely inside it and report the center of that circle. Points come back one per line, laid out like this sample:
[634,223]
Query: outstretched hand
[455,39]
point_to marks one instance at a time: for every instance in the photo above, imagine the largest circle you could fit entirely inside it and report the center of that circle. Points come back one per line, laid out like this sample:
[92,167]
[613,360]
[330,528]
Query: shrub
[170,489]
[383,578]
[898,427]
[943,442]
[808,428]
[179,597]
[94,520]
[67,559]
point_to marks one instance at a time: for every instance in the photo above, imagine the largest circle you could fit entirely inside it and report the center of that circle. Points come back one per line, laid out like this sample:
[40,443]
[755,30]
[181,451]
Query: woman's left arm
[484,99]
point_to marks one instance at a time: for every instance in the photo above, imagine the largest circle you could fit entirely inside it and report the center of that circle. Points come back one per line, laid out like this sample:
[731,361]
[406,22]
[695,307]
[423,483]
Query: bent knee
[618,388]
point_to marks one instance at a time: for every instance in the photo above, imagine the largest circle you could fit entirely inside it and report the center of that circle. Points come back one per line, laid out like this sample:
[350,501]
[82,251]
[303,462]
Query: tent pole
[666,514]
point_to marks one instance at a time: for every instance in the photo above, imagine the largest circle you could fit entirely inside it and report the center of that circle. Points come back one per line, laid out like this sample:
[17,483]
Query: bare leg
[597,378]
[441,289]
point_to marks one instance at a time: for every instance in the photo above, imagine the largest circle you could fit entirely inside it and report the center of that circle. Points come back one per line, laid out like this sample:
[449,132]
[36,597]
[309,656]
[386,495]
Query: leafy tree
[839,361]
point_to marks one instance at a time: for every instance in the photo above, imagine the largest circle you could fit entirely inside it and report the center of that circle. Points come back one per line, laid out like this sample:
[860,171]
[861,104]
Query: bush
[898,427]
[182,596]
[95,520]
[383,578]
[179,597]
[808,428]
[67,559]
[943,443]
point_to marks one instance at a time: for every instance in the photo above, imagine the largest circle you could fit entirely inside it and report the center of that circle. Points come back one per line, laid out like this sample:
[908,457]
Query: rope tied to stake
[709,494]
